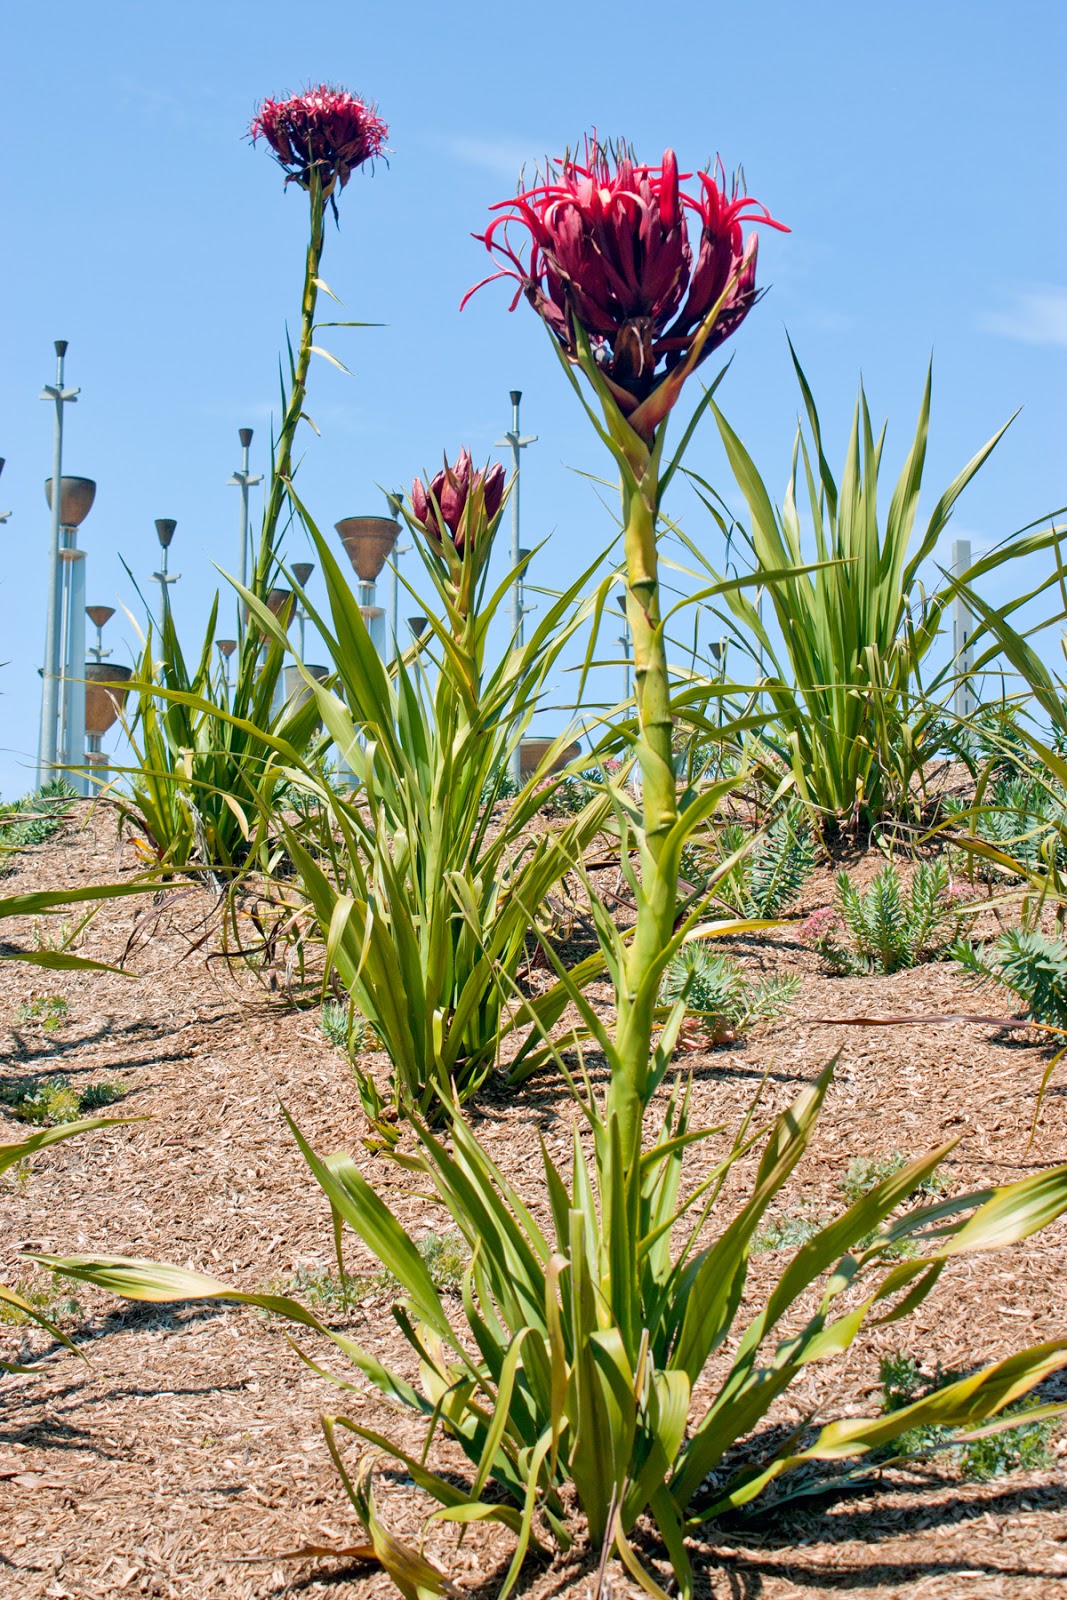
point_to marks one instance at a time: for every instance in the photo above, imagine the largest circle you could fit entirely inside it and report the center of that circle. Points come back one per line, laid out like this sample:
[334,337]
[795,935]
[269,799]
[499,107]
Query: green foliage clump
[867,1172]
[1022,814]
[570,797]
[51,1102]
[795,1227]
[49,1012]
[884,928]
[717,991]
[344,1028]
[1032,965]
[37,1301]
[790,1231]
[499,785]
[1026,1447]
[768,877]
[33,819]
[443,1254]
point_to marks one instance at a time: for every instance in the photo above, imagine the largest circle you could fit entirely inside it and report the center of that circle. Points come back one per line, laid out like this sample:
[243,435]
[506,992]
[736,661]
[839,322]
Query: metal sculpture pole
[245,480]
[165,527]
[518,606]
[963,699]
[48,748]
[624,640]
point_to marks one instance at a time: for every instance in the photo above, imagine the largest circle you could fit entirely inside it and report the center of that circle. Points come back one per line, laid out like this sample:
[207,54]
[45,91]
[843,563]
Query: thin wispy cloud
[505,156]
[1036,315]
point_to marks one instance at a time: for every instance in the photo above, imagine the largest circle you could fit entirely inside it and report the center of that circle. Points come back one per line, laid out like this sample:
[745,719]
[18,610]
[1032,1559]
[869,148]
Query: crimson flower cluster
[325,129]
[465,501]
[610,249]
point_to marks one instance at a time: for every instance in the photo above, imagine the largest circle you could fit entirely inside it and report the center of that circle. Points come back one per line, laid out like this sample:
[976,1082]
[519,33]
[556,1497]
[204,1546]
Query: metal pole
[518,608]
[245,480]
[50,685]
[962,627]
[624,640]
[165,527]
[373,616]
[74,668]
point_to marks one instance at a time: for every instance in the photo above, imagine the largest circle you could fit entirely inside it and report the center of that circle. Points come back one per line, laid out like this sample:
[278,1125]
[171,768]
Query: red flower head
[610,249]
[325,129]
[464,500]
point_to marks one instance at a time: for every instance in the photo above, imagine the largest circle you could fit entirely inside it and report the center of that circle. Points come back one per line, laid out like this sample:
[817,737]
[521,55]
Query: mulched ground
[184,1457]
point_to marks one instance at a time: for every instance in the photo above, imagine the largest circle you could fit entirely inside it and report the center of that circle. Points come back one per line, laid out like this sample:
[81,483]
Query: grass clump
[49,1102]
[791,1231]
[1023,1448]
[795,1227]
[720,997]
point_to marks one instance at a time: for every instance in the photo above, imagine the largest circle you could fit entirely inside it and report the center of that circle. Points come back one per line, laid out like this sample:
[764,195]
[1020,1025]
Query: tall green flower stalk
[282,466]
[319,138]
[612,273]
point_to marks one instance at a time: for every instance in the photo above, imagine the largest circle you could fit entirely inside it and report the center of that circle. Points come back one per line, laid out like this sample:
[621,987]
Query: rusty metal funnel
[368,543]
[104,693]
[76,496]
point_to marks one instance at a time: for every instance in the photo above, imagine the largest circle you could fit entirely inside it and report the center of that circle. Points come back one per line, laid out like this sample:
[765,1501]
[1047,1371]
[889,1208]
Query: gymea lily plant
[423,895]
[583,1339]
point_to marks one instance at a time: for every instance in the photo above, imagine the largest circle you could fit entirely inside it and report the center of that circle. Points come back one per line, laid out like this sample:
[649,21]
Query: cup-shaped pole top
[368,543]
[76,496]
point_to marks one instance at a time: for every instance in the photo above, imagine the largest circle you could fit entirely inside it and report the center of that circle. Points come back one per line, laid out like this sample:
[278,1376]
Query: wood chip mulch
[184,1457]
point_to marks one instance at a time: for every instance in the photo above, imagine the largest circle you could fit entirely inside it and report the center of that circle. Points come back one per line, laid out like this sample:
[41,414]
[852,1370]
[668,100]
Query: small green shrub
[33,819]
[40,1300]
[792,1230]
[446,1261]
[1031,965]
[50,1102]
[445,1258]
[1025,1448]
[883,928]
[49,1012]
[770,875]
[719,994]
[1024,816]
[343,1026]
[570,797]
[866,1173]
[500,785]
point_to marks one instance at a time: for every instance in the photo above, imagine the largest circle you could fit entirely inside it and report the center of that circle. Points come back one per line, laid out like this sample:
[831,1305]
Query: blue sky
[916,150]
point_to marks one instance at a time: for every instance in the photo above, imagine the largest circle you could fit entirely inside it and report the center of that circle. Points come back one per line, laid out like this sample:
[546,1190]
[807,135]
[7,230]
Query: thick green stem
[281,471]
[636,997]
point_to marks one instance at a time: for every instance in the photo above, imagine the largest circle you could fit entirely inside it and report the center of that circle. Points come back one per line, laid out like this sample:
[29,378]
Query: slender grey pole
[52,643]
[518,605]
[245,480]
[394,594]
[962,627]
[74,671]
[624,640]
